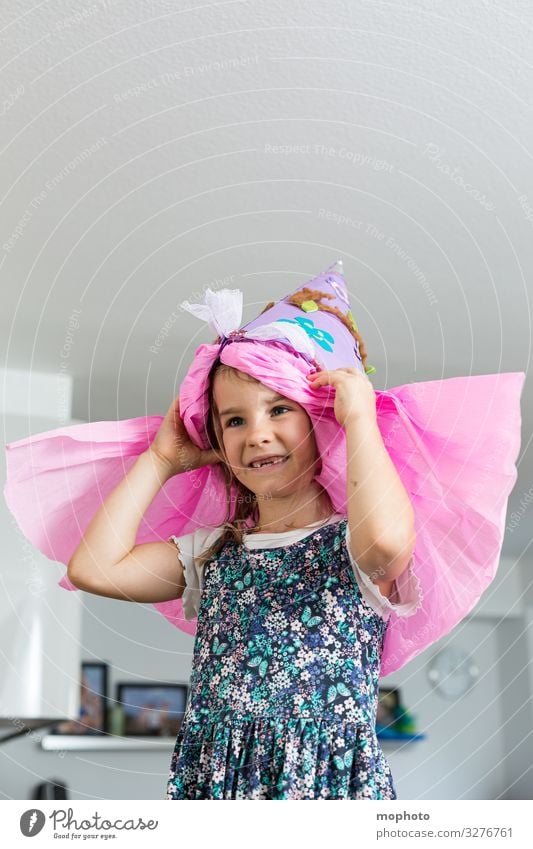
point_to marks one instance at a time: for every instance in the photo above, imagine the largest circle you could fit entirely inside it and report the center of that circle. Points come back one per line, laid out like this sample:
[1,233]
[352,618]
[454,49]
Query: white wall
[480,747]
[460,757]
[515,649]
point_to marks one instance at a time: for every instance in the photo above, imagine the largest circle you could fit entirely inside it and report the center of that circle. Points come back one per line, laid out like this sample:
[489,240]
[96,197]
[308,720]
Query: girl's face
[255,422]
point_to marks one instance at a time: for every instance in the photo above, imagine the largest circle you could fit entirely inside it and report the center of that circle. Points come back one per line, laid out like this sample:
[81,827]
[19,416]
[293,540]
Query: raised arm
[107,562]
[380,514]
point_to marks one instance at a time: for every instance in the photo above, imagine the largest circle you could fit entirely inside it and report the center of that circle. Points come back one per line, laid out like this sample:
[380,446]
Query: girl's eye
[238,417]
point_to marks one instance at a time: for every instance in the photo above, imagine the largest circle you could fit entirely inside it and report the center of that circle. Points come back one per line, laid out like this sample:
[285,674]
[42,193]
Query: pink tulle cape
[454,443]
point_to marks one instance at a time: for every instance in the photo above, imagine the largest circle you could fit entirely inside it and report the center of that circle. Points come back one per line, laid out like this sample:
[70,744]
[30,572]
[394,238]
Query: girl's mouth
[269,466]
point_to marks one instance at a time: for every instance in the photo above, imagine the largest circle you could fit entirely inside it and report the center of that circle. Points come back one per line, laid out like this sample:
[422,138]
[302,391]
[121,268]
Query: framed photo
[388,704]
[93,703]
[155,709]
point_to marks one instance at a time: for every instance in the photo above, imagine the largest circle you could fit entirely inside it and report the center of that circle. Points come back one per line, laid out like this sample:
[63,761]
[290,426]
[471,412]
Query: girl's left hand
[354,394]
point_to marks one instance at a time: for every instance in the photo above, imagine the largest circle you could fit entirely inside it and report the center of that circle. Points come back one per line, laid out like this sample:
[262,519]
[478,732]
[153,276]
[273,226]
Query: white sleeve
[189,547]
[406,592]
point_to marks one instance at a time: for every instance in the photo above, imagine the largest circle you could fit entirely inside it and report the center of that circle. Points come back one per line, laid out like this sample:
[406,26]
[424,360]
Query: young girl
[287,652]
[300,572]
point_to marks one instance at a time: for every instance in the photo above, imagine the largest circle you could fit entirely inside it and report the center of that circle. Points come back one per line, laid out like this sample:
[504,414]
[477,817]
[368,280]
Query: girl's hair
[246,501]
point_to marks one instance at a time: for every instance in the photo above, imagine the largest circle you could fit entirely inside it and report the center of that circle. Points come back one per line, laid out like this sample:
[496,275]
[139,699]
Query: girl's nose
[259,433]
[258,437]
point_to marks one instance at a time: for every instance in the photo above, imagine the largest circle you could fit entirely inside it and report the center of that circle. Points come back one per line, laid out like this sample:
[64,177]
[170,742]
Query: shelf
[400,738]
[64,742]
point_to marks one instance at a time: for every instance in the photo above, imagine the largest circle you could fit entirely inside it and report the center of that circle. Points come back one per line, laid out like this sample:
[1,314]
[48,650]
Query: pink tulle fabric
[454,443]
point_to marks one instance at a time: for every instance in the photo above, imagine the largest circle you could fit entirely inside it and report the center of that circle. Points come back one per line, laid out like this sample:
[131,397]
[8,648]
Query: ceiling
[153,149]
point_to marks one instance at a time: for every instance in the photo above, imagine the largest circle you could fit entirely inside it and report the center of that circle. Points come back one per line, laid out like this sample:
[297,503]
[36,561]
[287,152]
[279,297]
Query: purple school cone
[335,345]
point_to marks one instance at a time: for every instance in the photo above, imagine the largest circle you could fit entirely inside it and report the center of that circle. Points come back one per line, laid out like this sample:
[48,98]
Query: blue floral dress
[284,682]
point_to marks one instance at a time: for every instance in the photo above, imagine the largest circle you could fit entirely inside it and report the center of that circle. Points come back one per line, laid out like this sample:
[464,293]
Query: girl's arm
[381,518]
[380,513]
[107,562]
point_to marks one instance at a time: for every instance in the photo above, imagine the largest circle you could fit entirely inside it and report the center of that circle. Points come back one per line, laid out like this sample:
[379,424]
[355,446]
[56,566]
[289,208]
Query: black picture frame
[389,701]
[152,710]
[93,718]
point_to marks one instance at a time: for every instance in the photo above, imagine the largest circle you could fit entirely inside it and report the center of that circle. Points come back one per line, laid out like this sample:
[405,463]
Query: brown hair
[246,501]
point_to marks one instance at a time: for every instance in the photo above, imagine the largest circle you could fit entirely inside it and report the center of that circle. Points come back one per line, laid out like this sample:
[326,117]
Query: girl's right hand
[173,446]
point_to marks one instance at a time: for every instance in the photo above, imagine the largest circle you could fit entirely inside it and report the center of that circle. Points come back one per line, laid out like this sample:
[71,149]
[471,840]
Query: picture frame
[154,709]
[389,701]
[93,718]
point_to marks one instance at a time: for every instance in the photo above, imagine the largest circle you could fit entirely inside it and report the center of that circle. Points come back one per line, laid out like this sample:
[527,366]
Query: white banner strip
[357,824]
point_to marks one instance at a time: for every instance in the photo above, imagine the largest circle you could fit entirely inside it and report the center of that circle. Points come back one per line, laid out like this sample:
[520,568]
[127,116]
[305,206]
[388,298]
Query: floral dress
[284,682]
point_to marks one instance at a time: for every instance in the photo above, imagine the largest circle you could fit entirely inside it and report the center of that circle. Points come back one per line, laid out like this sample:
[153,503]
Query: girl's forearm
[112,532]
[380,513]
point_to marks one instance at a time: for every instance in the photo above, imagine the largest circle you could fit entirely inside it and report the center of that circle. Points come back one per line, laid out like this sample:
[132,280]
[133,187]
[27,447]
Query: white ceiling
[152,149]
